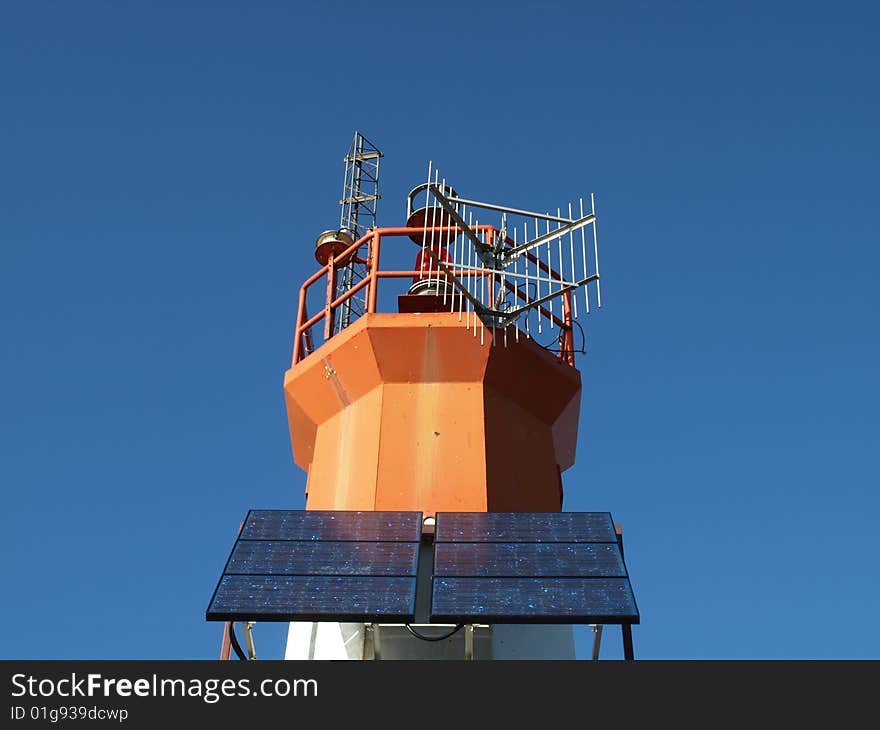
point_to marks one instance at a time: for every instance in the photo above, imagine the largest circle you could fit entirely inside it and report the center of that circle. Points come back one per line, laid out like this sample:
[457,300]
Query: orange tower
[441,398]
[433,400]
[446,402]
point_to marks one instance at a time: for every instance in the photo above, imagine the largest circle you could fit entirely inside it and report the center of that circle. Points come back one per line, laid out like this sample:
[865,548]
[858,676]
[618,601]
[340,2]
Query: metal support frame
[512,314]
[481,248]
[628,654]
[625,629]
[508,209]
[249,639]
[569,227]
[225,643]
[597,641]
[360,197]
[373,634]
[373,638]
[469,642]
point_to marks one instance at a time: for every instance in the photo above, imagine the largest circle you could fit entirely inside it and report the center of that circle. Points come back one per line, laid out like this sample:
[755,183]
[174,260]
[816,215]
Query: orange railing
[372,241]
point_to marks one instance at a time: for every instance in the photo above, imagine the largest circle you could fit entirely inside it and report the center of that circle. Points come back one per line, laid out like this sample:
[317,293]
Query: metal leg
[469,641]
[626,630]
[597,641]
[225,644]
[249,638]
[373,630]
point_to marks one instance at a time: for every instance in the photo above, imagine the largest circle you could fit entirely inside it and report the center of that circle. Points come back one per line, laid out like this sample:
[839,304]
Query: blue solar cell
[332,525]
[292,565]
[488,567]
[528,559]
[524,527]
[289,557]
[533,600]
[313,598]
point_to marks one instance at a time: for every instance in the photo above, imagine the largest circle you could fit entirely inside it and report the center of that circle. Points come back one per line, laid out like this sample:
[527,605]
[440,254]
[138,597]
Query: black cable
[233,640]
[583,349]
[559,350]
[434,638]
[549,347]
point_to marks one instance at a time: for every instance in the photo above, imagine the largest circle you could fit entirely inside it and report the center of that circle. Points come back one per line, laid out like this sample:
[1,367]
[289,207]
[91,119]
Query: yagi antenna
[526,270]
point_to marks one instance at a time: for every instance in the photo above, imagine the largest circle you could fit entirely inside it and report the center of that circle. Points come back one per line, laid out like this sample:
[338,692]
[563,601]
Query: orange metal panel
[412,412]
[565,433]
[525,372]
[521,470]
[426,347]
[331,377]
[351,370]
[303,432]
[432,455]
[343,472]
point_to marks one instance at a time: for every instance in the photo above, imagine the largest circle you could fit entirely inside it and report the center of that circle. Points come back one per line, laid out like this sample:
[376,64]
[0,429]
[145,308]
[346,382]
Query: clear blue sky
[165,168]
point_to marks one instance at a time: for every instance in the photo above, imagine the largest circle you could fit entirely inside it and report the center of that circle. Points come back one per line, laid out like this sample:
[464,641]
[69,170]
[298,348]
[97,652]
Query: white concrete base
[324,640]
[346,641]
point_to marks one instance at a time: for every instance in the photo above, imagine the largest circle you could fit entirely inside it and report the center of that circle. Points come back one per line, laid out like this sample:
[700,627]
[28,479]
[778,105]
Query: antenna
[528,283]
[360,197]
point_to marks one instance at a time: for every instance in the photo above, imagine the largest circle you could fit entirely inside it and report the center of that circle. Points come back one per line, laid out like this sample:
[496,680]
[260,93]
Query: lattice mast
[360,197]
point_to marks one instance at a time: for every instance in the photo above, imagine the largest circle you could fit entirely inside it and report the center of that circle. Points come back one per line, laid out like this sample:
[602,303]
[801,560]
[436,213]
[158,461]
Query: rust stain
[343,467]
[331,375]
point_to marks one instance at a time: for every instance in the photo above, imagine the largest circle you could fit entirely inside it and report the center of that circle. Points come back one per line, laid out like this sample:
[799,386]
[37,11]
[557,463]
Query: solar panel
[286,557]
[294,565]
[529,567]
[528,559]
[524,527]
[533,600]
[312,598]
[332,525]
[510,567]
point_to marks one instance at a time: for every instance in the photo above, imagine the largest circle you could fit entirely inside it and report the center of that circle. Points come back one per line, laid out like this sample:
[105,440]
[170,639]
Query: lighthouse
[433,400]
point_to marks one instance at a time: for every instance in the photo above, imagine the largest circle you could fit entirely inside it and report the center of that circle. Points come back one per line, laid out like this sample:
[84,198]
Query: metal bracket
[469,642]
[372,634]
[249,639]
[483,251]
[510,253]
[597,641]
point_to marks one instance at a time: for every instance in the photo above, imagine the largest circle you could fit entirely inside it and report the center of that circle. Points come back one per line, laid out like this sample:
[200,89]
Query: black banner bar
[135,694]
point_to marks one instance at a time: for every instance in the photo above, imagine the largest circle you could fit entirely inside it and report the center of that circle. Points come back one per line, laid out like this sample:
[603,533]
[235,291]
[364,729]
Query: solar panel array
[489,567]
[290,565]
[538,567]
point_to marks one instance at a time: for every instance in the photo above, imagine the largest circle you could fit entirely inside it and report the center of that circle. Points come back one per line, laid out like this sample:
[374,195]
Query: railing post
[568,338]
[331,288]
[300,314]
[490,283]
[374,272]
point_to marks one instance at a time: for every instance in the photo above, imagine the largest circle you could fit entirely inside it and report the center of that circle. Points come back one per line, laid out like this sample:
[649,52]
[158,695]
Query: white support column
[324,640]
